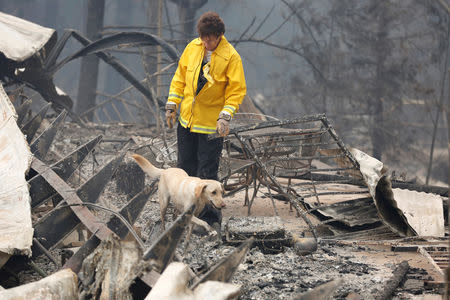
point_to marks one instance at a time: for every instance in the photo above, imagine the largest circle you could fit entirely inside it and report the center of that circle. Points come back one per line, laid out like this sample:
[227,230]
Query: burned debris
[33,60]
[71,208]
[339,208]
[309,215]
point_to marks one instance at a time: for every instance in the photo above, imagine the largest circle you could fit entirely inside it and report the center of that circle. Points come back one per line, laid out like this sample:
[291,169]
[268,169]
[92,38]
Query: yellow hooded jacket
[224,90]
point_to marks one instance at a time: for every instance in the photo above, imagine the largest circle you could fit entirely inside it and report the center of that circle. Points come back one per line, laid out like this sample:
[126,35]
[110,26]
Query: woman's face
[210,42]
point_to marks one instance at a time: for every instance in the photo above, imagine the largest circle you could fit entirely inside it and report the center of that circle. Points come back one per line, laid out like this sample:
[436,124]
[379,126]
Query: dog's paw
[213,236]
[216,226]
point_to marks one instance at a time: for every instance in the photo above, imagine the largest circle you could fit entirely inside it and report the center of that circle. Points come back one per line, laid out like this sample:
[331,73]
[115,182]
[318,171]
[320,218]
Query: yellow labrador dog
[183,190]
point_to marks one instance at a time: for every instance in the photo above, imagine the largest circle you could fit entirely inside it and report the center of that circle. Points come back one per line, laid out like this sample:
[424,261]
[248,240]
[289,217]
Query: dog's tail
[146,166]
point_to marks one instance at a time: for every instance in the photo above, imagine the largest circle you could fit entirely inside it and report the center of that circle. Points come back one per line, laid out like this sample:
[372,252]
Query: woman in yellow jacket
[208,87]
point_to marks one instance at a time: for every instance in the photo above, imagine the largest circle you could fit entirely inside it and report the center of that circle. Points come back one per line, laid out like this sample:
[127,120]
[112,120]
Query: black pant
[211,215]
[197,155]
[200,157]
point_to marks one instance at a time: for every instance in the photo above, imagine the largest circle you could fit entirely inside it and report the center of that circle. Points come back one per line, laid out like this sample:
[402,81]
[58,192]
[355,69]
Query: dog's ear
[199,189]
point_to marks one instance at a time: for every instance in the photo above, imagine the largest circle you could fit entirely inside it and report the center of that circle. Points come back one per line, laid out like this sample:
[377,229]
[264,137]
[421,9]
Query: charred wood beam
[48,254]
[31,127]
[130,211]
[22,111]
[127,38]
[391,285]
[139,38]
[162,250]
[60,285]
[54,226]
[41,190]
[39,147]
[56,50]
[430,259]
[224,269]
[70,197]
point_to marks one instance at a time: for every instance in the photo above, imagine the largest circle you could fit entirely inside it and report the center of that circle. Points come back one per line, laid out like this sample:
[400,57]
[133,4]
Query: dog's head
[211,191]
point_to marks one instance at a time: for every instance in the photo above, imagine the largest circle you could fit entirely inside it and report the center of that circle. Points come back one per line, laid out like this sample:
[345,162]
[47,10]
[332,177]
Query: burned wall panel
[16,232]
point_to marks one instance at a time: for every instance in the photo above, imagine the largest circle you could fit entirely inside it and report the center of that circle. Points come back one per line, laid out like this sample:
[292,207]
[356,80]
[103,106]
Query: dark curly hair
[210,24]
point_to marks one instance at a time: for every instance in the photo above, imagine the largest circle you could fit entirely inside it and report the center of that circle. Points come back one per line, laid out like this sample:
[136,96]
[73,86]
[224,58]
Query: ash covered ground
[365,271]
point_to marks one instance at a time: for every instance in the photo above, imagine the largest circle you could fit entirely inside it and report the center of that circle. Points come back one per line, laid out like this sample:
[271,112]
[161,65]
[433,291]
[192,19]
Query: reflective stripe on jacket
[224,90]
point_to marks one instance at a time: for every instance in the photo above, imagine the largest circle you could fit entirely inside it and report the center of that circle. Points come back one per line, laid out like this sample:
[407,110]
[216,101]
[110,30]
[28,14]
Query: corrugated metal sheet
[356,212]
[423,211]
[378,234]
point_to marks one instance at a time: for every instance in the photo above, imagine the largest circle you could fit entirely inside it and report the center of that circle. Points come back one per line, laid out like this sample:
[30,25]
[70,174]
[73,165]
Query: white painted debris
[322,292]
[60,92]
[60,285]
[113,267]
[424,211]
[380,190]
[20,38]
[172,285]
[216,290]
[370,169]
[17,71]
[16,232]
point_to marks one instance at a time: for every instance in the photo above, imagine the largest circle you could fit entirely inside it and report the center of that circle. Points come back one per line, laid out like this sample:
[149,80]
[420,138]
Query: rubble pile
[116,246]
[307,217]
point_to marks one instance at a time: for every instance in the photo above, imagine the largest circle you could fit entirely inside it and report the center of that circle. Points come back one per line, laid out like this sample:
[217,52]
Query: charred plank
[54,226]
[22,111]
[42,143]
[163,249]
[130,211]
[40,189]
[30,128]
[225,268]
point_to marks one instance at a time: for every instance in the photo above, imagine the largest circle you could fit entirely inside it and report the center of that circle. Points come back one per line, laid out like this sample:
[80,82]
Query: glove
[223,124]
[171,114]
[223,127]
